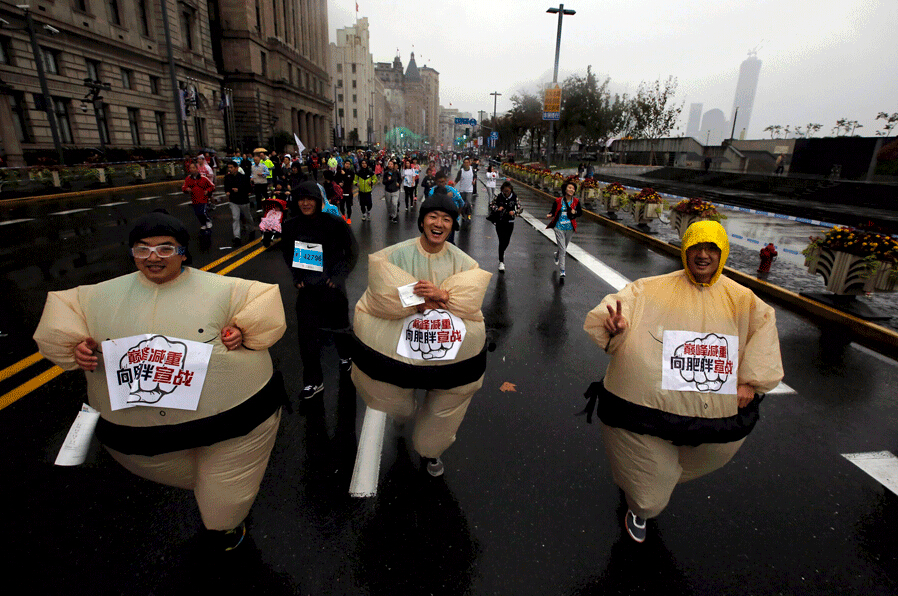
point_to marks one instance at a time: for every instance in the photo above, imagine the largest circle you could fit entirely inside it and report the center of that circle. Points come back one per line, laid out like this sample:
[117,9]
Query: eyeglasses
[163,251]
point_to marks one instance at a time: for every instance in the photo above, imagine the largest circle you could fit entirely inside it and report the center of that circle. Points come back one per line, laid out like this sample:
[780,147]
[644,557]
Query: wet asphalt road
[527,505]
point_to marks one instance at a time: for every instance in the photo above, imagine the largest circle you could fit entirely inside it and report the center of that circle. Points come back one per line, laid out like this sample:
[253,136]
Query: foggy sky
[822,59]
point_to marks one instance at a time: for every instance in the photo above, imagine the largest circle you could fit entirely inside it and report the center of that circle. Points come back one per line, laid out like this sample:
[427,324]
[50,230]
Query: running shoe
[310,391]
[556,257]
[234,538]
[501,266]
[635,526]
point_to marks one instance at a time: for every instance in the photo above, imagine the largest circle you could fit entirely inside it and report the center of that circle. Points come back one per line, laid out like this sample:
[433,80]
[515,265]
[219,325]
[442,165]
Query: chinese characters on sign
[434,335]
[155,370]
[552,103]
[702,362]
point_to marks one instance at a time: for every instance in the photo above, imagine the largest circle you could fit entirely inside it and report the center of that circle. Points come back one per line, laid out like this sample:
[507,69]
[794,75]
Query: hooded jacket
[365,179]
[702,338]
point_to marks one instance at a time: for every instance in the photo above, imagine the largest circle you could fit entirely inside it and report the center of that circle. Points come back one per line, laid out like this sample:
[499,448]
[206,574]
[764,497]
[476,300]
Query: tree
[588,111]
[774,130]
[652,114]
[891,121]
[527,117]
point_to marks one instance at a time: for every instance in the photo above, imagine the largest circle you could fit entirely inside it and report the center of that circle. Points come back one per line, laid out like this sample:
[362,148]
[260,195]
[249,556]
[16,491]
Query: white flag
[299,145]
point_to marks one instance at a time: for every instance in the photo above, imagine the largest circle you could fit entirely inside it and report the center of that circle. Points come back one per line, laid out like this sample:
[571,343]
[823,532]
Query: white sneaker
[501,266]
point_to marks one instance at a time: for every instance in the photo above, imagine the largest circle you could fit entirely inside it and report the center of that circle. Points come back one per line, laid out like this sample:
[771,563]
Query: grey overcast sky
[822,59]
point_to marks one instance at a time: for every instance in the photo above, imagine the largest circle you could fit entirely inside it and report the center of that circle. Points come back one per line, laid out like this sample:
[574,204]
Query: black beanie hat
[440,200]
[309,189]
[160,223]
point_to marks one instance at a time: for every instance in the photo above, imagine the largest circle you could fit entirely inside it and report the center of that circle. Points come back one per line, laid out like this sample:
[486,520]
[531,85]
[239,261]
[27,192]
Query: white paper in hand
[74,448]
[408,297]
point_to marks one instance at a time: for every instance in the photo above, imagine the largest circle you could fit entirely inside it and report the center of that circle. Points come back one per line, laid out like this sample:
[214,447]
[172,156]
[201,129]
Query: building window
[290,74]
[115,17]
[127,78]
[61,110]
[340,112]
[355,99]
[340,97]
[353,69]
[339,67]
[340,83]
[80,5]
[51,61]
[187,27]
[19,117]
[274,13]
[134,125]
[143,13]
[5,56]
[307,81]
[154,85]
[353,83]
[101,112]
[355,113]
[93,69]
[264,64]
[160,127]
[258,16]
[199,127]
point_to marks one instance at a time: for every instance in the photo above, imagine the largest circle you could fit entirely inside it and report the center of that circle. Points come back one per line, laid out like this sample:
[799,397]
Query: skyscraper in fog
[745,91]
[693,125]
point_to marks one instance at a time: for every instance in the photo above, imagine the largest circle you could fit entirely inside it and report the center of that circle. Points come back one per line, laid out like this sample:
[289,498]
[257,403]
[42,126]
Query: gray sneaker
[434,466]
[556,257]
[635,526]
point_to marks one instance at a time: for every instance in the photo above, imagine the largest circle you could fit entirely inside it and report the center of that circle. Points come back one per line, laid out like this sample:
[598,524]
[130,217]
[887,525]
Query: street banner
[155,371]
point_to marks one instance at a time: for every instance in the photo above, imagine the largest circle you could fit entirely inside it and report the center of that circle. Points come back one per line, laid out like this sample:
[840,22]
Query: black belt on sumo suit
[447,376]
[235,422]
[679,430]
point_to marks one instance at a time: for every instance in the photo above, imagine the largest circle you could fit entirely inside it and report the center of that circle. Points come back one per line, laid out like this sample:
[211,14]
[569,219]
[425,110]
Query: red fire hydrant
[768,256]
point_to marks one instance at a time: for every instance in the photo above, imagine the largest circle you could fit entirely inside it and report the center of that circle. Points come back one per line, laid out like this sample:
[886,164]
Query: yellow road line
[26,388]
[19,366]
[236,264]
[233,253]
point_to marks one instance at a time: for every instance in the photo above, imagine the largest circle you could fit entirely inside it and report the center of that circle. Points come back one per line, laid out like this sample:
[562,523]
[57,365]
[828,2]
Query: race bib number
[308,256]
[701,362]
[155,371]
[434,335]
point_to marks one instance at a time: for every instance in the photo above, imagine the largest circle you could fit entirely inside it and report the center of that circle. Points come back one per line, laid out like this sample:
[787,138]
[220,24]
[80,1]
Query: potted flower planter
[849,275]
[681,221]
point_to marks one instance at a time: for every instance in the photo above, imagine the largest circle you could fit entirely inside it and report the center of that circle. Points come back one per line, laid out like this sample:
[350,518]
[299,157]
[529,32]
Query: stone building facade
[356,88]
[276,66]
[121,43]
[412,95]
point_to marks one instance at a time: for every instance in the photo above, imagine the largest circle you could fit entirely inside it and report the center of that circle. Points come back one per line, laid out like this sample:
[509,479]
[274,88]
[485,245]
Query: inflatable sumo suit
[657,437]
[386,380]
[221,450]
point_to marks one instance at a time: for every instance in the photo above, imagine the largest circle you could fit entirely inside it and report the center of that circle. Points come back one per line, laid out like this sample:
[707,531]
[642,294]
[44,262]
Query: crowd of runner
[692,353]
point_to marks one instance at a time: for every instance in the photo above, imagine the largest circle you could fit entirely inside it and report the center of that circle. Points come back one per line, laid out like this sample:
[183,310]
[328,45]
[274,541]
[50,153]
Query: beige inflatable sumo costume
[220,449]
[400,350]
[669,405]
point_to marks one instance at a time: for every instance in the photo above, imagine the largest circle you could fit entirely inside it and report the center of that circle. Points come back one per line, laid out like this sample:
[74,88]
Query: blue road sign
[551,115]
[494,135]
[469,121]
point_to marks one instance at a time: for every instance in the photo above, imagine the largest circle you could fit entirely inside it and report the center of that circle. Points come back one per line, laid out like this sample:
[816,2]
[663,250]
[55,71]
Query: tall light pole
[733,131]
[495,95]
[561,12]
[177,97]
[42,78]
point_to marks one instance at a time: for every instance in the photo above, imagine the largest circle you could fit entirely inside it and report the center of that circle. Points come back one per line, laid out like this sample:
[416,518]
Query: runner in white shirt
[464,184]
[491,177]
[409,175]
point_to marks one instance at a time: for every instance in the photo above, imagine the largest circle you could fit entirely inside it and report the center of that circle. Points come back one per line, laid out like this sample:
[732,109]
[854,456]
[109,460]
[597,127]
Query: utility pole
[42,78]
[495,95]
[733,131]
[173,79]
[561,12]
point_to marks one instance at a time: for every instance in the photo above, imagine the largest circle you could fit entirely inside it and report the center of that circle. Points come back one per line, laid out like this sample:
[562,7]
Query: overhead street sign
[470,121]
[551,115]
[552,100]
[494,135]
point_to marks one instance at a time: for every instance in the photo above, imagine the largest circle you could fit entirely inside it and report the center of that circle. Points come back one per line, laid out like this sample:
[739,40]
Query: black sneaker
[635,526]
[345,365]
[310,391]
[434,466]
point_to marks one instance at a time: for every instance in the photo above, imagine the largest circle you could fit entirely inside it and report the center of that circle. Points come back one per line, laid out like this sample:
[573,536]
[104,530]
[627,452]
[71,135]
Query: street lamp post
[733,130]
[96,100]
[495,95]
[173,80]
[561,12]
[42,78]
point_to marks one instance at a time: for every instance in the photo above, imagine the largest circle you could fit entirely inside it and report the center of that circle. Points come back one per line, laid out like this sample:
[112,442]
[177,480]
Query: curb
[92,192]
[870,335]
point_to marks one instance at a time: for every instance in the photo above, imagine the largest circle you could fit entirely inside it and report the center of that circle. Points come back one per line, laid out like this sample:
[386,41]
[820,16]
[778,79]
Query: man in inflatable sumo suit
[692,354]
[438,345]
[220,449]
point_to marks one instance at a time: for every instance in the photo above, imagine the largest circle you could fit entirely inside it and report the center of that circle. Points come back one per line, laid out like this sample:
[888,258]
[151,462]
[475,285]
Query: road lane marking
[782,389]
[29,386]
[70,211]
[20,366]
[112,204]
[176,194]
[184,203]
[604,272]
[231,254]
[12,221]
[881,465]
[366,472]
[236,264]
[148,198]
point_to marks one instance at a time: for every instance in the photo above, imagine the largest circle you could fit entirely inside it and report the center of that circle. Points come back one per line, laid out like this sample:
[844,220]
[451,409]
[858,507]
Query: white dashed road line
[366,472]
[112,204]
[12,221]
[148,198]
[881,465]
[184,203]
[70,211]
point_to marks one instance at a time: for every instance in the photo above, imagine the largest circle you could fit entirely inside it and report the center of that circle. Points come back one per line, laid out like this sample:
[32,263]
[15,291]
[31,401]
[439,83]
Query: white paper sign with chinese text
[701,362]
[155,371]
[307,255]
[408,297]
[433,335]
